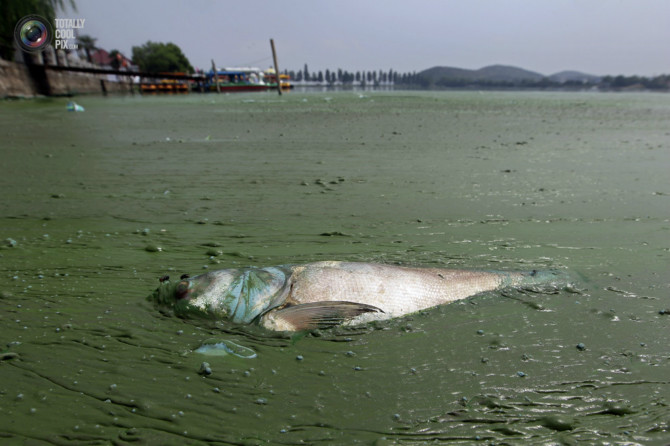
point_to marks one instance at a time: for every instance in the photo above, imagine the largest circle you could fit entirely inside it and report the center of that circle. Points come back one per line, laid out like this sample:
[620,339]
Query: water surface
[98,205]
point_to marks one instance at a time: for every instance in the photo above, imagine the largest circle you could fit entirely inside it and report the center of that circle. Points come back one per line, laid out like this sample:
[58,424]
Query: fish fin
[320,314]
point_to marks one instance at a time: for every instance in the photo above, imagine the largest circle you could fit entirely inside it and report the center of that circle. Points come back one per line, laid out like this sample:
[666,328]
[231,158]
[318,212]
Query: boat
[165,85]
[271,78]
[236,79]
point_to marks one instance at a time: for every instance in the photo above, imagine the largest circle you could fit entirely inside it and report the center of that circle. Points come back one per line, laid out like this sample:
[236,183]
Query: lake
[98,205]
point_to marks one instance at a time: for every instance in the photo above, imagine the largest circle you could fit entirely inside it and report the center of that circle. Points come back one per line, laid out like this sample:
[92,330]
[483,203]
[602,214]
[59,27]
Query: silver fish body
[322,294]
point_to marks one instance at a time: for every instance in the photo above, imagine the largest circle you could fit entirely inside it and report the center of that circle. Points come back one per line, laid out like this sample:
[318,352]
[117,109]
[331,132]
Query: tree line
[417,80]
[661,82]
[370,77]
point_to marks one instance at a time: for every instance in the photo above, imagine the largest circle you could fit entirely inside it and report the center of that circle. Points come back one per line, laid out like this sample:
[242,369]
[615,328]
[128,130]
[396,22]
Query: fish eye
[181,290]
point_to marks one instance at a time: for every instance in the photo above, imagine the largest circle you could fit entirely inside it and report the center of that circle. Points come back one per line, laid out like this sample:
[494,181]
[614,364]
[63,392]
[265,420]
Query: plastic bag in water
[218,347]
[73,106]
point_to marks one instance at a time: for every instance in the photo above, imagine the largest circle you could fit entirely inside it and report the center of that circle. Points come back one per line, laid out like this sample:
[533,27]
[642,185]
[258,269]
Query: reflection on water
[369,88]
[97,206]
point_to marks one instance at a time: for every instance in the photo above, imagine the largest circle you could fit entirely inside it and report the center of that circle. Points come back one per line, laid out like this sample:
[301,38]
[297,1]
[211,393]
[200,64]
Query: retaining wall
[21,80]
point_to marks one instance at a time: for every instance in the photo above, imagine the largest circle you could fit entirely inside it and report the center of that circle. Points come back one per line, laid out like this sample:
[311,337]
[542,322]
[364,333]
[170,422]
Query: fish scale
[393,289]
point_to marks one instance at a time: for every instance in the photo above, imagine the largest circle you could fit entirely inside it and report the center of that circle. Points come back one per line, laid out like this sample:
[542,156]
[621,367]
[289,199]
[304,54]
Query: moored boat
[236,79]
[271,79]
[165,85]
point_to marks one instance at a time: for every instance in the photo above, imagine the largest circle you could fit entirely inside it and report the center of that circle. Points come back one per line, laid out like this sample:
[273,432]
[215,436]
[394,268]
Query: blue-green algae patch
[98,205]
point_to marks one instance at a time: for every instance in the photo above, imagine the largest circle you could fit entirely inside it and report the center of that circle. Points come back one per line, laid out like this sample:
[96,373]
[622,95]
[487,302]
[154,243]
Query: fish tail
[551,278]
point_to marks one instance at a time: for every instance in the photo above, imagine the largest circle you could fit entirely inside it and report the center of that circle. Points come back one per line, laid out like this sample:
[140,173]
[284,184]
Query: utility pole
[216,77]
[274,58]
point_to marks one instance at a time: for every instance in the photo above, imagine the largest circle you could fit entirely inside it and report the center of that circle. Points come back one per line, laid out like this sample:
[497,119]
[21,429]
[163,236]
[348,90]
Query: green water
[96,206]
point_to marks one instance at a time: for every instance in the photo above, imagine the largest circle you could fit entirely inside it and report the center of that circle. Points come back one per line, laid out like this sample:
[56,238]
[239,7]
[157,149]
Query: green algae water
[97,206]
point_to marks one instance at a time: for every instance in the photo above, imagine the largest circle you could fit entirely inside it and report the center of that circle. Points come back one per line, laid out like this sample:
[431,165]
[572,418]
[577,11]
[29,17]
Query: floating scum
[84,362]
[329,293]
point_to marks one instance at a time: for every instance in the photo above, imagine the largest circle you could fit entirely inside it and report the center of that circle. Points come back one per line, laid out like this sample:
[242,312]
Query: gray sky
[594,36]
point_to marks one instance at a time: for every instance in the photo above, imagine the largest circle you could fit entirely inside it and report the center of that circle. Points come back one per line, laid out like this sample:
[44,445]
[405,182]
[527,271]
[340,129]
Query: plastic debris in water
[73,106]
[216,347]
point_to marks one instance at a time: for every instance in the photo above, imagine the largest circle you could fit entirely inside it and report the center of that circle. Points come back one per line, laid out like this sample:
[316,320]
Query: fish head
[239,295]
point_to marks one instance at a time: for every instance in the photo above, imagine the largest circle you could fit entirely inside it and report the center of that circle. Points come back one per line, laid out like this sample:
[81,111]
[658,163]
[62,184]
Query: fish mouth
[178,297]
[183,291]
[173,293]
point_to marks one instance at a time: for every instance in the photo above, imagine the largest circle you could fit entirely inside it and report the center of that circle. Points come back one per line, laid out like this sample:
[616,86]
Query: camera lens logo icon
[33,33]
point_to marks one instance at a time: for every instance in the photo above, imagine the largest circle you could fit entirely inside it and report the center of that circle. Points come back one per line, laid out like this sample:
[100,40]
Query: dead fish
[325,294]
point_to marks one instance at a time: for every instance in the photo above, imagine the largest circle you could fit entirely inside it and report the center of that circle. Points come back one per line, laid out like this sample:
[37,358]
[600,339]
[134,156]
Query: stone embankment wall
[15,80]
[19,80]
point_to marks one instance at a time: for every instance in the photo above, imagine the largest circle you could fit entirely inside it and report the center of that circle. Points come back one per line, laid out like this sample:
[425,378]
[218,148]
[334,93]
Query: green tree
[11,11]
[87,43]
[157,57]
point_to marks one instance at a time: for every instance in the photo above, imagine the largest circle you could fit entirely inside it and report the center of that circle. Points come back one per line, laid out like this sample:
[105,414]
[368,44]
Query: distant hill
[503,73]
[446,72]
[495,75]
[574,76]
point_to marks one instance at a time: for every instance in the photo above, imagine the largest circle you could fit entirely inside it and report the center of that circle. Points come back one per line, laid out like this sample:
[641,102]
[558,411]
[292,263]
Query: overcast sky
[594,36]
